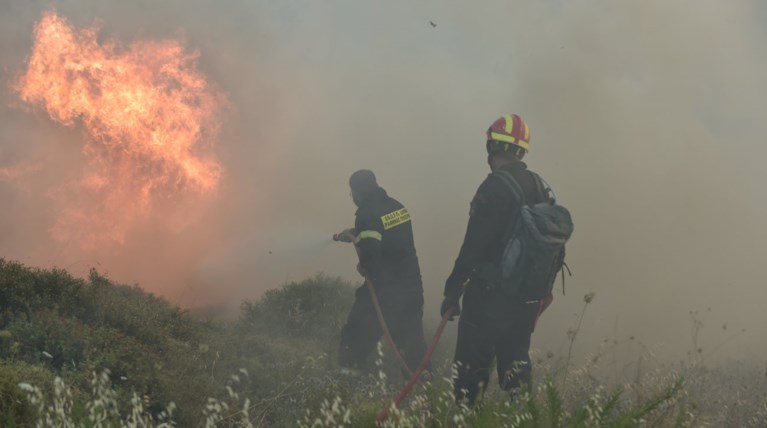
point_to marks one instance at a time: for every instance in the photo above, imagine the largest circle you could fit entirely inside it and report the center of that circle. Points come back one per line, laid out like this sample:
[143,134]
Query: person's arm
[368,235]
[486,220]
[346,235]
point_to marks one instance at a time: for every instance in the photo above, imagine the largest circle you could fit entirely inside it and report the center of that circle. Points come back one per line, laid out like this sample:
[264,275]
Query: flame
[150,121]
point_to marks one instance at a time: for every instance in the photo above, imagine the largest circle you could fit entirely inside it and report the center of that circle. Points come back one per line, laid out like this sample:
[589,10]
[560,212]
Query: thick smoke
[646,118]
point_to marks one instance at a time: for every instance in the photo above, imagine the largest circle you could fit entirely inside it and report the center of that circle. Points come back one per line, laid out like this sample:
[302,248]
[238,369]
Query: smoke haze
[646,117]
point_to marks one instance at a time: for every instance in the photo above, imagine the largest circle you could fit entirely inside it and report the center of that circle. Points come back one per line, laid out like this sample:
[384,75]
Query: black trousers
[492,326]
[403,314]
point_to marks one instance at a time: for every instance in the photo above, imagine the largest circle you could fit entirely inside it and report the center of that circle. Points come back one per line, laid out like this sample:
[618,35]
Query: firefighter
[493,325]
[383,237]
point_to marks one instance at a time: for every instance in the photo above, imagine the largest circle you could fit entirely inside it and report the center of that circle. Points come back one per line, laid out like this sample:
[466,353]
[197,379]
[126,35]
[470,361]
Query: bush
[15,409]
[24,290]
[314,309]
[274,367]
[73,328]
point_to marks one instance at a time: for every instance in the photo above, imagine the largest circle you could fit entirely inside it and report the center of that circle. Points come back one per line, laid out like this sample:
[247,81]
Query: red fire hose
[384,327]
[384,413]
[347,236]
[414,376]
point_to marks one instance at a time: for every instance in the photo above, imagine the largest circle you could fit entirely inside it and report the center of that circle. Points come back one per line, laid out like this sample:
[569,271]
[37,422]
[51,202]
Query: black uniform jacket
[493,210]
[384,240]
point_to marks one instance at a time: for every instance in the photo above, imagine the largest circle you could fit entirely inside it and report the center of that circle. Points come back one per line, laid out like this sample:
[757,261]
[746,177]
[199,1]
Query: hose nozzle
[346,235]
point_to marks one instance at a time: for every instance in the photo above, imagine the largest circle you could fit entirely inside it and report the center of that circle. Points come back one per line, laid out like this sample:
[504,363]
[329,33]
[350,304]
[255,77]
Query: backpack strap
[508,180]
[545,192]
[539,188]
[542,189]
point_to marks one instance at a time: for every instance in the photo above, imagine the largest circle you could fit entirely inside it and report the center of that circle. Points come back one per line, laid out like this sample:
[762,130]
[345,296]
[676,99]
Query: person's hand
[346,235]
[448,303]
[361,270]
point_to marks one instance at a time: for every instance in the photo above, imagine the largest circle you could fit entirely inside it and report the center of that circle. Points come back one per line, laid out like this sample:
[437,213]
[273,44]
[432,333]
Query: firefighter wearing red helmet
[508,134]
[493,325]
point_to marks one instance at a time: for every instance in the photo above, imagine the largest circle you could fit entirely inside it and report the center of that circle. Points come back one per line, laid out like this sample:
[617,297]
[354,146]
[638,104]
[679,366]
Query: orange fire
[150,120]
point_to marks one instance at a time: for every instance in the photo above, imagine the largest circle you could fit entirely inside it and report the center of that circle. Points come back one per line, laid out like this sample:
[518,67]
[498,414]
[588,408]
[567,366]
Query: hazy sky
[647,118]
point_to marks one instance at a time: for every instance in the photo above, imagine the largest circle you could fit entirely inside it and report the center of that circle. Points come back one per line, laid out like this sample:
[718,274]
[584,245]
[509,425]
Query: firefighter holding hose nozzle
[383,238]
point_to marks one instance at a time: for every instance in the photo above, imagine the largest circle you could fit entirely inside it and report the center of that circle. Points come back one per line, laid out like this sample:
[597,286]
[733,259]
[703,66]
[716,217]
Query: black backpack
[535,244]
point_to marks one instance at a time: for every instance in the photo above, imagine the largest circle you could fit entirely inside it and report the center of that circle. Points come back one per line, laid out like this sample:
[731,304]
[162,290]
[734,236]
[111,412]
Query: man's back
[493,210]
[391,262]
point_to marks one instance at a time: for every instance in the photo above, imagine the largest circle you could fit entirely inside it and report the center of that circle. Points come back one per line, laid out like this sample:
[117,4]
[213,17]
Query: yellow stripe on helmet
[509,123]
[509,139]
[503,137]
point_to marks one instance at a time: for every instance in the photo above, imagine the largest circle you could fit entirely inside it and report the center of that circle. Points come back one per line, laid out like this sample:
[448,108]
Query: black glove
[346,235]
[451,302]
[361,270]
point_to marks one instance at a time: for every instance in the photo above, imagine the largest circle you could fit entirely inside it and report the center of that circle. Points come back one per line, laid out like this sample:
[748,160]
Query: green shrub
[274,366]
[15,409]
[313,309]
[24,290]
[73,328]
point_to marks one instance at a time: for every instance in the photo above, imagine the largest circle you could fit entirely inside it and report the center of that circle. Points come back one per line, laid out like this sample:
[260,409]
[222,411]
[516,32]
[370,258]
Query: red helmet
[507,130]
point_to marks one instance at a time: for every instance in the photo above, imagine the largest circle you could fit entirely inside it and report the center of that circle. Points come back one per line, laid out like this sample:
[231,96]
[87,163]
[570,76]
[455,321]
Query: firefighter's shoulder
[481,196]
[490,189]
[488,193]
[367,215]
